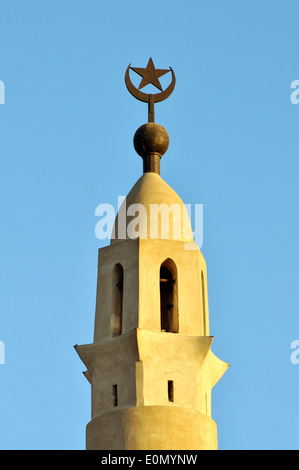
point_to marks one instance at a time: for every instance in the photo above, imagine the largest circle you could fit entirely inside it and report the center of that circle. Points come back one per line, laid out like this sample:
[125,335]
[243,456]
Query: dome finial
[151,140]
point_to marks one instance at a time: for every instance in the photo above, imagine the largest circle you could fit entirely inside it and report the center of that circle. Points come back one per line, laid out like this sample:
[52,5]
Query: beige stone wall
[141,261]
[140,364]
[189,264]
[125,253]
[152,428]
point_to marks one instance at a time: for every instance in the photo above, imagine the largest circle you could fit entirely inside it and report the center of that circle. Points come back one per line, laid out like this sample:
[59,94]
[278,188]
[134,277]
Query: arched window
[117,300]
[169,297]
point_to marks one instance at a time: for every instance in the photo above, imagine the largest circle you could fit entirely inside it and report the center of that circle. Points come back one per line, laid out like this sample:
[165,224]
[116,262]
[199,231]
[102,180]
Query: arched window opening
[169,297]
[117,300]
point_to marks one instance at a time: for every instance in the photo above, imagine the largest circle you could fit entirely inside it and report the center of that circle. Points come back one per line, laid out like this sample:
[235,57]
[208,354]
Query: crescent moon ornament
[150,75]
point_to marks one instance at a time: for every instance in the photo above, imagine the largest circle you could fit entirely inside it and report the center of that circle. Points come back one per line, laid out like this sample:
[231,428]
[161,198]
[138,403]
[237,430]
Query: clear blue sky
[66,146]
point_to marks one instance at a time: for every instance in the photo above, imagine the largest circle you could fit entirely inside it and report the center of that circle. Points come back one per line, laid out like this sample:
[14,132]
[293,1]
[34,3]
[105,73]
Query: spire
[151,140]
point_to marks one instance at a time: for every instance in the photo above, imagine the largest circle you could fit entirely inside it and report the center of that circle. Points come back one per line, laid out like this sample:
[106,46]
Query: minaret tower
[150,365]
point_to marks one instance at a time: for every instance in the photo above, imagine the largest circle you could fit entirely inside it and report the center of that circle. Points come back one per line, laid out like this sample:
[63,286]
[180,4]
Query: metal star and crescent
[150,75]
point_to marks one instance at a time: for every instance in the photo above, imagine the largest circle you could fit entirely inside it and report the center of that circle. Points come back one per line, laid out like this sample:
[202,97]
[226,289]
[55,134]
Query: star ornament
[150,75]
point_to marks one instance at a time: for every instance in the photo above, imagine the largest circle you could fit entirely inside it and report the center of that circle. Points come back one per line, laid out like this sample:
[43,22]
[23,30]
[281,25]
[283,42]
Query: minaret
[150,365]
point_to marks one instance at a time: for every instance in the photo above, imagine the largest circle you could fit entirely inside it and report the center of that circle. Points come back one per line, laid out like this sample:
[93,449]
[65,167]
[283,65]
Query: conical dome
[152,210]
